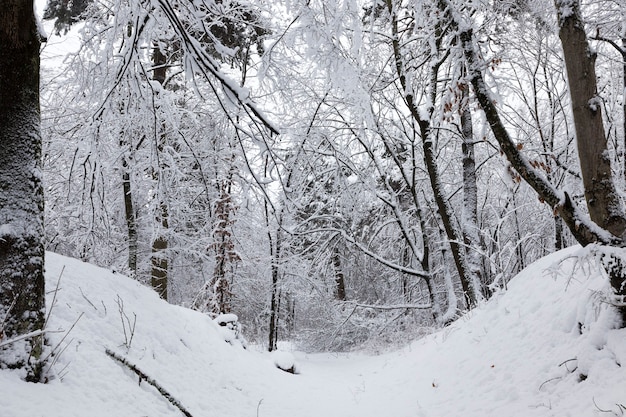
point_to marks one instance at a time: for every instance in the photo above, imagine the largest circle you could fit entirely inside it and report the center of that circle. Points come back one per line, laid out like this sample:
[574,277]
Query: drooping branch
[207,65]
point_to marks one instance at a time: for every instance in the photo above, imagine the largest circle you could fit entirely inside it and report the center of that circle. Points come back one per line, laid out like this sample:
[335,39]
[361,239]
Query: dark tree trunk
[595,165]
[274,297]
[559,239]
[21,194]
[159,273]
[131,223]
[225,254]
[340,285]
[159,279]
[623,52]
[435,299]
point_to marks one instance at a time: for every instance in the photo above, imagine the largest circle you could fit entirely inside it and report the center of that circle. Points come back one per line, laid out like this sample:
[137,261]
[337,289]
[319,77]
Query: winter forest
[341,174]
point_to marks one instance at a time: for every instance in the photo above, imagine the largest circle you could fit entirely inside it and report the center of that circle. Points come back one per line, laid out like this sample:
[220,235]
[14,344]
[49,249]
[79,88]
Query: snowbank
[544,348]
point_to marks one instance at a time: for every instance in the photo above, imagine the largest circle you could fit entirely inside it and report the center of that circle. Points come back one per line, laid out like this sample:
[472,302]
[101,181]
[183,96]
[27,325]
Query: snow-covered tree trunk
[469,215]
[21,194]
[275,243]
[225,254]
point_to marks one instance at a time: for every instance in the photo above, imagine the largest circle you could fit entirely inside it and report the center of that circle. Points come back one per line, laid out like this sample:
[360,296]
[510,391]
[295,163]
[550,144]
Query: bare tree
[606,223]
[470,281]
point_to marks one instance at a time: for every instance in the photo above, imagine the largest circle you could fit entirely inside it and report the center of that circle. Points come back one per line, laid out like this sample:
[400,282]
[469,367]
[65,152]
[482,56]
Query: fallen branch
[23,336]
[142,376]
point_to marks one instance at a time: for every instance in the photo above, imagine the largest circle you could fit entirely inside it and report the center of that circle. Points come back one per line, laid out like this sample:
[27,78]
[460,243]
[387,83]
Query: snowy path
[341,386]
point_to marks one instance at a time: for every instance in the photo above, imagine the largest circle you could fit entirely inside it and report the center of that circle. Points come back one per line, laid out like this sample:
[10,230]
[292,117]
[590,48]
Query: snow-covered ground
[520,354]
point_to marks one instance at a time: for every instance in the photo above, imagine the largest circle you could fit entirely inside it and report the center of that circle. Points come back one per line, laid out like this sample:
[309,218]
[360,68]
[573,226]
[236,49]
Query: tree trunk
[469,215]
[559,239]
[274,297]
[159,279]
[340,285]
[131,223]
[603,201]
[623,52]
[433,296]
[22,293]
[225,254]
[159,272]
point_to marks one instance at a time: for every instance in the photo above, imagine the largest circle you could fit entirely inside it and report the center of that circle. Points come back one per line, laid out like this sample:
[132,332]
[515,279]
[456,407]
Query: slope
[543,348]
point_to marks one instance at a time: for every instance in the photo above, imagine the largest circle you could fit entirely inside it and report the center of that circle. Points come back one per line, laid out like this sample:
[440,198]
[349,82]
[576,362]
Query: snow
[7,230]
[285,361]
[39,7]
[546,347]
[565,8]
[595,103]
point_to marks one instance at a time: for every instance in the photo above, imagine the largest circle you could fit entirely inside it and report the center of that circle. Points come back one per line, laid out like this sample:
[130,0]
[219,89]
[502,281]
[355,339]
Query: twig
[143,376]
[54,297]
[63,338]
[87,299]
[58,355]
[334,335]
[128,336]
[549,380]
[258,406]
[599,409]
[394,307]
[566,362]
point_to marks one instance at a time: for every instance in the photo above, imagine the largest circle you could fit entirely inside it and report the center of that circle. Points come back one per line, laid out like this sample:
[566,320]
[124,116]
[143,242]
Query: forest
[340,174]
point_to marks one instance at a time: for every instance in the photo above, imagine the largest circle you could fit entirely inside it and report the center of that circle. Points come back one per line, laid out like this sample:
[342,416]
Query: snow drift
[544,348]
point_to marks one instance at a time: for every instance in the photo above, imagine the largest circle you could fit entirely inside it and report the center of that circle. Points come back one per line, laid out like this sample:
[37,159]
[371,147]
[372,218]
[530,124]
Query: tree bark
[274,297]
[225,254]
[22,293]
